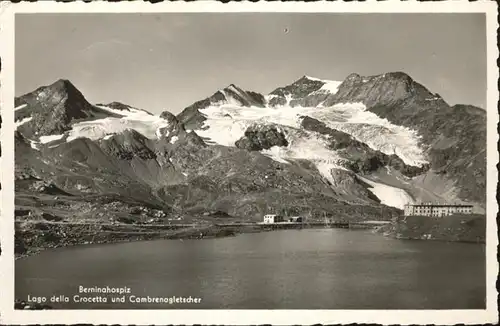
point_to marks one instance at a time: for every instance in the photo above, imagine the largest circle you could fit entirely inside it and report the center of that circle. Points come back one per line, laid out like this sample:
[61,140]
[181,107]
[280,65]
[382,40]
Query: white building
[429,209]
[272,218]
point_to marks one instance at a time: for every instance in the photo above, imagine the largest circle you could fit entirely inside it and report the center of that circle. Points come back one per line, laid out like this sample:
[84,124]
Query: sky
[168,61]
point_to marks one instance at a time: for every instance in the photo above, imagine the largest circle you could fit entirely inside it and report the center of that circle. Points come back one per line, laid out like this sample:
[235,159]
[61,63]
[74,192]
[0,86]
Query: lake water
[290,269]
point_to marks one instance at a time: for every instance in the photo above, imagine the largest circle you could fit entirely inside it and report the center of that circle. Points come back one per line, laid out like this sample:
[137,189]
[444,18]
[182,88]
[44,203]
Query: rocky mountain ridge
[297,150]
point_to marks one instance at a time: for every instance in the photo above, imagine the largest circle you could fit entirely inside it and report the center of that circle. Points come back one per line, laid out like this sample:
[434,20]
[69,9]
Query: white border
[238,317]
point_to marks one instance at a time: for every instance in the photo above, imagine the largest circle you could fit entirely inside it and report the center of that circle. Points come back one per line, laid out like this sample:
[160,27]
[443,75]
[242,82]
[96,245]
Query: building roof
[439,205]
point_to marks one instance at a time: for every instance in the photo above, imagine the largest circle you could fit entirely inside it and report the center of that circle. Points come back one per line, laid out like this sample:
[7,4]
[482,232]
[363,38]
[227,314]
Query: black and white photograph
[251,159]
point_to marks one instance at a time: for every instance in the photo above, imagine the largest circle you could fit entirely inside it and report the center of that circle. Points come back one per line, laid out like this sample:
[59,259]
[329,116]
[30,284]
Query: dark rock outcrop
[259,137]
[174,127]
[127,145]
[176,133]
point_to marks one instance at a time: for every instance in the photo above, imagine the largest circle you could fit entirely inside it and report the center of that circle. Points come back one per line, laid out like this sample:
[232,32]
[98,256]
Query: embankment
[462,228]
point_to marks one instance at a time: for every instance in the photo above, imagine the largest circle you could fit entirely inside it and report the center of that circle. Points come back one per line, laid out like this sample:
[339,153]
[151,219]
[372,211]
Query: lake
[289,269]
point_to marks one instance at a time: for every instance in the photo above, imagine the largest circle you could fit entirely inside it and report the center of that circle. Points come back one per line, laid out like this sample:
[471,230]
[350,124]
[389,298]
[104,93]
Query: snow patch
[270,97]
[276,153]
[48,139]
[390,196]
[34,144]
[330,86]
[313,78]
[23,121]
[22,106]
[310,147]
[41,95]
[326,170]
[173,139]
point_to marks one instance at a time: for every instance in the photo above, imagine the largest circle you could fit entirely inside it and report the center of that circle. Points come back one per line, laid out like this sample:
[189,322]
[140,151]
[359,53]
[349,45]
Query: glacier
[141,121]
[226,123]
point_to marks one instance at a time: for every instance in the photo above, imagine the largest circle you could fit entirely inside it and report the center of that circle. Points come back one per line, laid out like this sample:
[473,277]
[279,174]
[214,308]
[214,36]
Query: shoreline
[102,235]
[201,232]
[469,228]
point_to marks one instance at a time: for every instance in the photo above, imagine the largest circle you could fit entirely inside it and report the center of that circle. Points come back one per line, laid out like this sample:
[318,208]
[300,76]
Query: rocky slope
[357,149]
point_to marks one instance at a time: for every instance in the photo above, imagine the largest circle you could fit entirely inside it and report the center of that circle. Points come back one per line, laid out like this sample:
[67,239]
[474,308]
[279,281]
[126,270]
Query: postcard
[249,163]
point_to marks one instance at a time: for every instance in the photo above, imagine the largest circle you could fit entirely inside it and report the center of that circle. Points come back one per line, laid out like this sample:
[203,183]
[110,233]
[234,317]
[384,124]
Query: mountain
[53,109]
[232,95]
[354,149]
[440,148]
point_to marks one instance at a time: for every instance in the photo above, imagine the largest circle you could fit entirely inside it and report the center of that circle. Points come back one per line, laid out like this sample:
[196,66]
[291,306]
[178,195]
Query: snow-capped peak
[313,78]
[232,87]
[329,86]
[237,96]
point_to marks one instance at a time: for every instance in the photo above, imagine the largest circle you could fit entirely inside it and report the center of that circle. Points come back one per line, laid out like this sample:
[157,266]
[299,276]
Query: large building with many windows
[430,209]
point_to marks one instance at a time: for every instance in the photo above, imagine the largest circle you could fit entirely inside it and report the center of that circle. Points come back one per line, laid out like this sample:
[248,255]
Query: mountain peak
[398,75]
[244,98]
[232,88]
[300,88]
[63,81]
[311,78]
[308,79]
[384,89]
[64,85]
[54,108]
[61,89]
